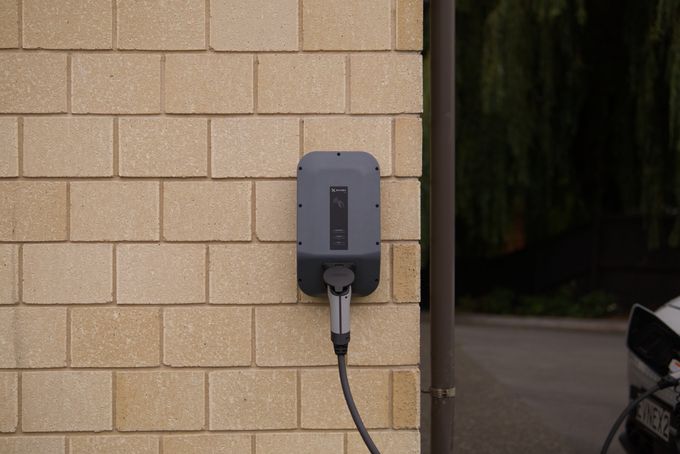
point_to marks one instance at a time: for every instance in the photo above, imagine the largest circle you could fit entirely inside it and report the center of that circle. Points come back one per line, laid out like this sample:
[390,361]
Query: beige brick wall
[148,151]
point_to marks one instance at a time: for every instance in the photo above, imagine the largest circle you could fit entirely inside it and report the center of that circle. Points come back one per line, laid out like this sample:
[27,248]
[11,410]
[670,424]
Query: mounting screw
[377,243]
[299,205]
[299,168]
[377,168]
[300,243]
[377,205]
[338,154]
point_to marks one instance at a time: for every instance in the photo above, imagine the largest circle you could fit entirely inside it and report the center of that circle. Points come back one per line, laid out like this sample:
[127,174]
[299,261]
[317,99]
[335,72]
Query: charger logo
[338,189]
[338,202]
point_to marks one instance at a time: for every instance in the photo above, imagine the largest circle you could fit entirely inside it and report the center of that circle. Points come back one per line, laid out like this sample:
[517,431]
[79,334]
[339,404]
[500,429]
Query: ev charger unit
[338,249]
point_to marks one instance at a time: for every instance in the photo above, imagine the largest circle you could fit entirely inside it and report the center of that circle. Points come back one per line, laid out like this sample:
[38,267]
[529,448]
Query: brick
[67,24]
[209,83]
[386,83]
[9,396]
[255,147]
[114,210]
[275,212]
[115,337]
[253,399]
[33,445]
[301,83]
[147,401]
[370,134]
[32,211]
[9,146]
[257,25]
[9,24]
[160,273]
[400,210]
[163,147]
[9,274]
[116,83]
[346,24]
[68,273]
[207,336]
[299,443]
[390,442]
[370,388]
[161,24]
[68,146]
[385,335]
[252,274]
[207,210]
[408,146]
[66,401]
[32,82]
[406,284]
[409,24]
[213,443]
[406,399]
[32,337]
[114,445]
[299,331]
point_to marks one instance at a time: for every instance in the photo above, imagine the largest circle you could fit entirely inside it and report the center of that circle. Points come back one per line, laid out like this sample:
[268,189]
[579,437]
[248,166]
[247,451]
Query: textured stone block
[160,273]
[406,283]
[68,273]
[256,25]
[116,83]
[114,210]
[346,24]
[161,24]
[67,24]
[299,443]
[386,83]
[301,83]
[275,210]
[213,444]
[32,82]
[252,274]
[33,445]
[114,445]
[163,147]
[400,210]
[115,337]
[253,399]
[66,401]
[9,396]
[408,146]
[32,337]
[68,146]
[32,211]
[162,400]
[9,24]
[207,336]
[9,274]
[370,388]
[390,442]
[255,147]
[207,210]
[409,24]
[406,399]
[9,143]
[209,83]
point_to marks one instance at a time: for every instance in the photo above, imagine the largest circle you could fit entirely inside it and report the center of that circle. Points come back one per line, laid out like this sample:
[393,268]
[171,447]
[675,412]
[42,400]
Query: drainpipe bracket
[443,393]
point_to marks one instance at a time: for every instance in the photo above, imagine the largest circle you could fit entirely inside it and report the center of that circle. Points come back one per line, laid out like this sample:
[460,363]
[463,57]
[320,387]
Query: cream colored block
[252,274]
[161,24]
[115,337]
[255,147]
[9,24]
[253,399]
[68,273]
[32,82]
[68,146]
[207,210]
[163,147]
[301,83]
[33,445]
[207,336]
[114,210]
[255,25]
[400,210]
[406,284]
[386,83]
[32,211]
[299,443]
[302,332]
[9,396]
[385,335]
[32,337]
[9,143]
[406,399]
[275,212]
[391,442]
[114,445]
[213,444]
[323,405]
[369,134]
[409,24]
[160,400]
[346,24]
[67,24]
[9,273]
[116,83]
[160,273]
[66,401]
[209,83]
[408,147]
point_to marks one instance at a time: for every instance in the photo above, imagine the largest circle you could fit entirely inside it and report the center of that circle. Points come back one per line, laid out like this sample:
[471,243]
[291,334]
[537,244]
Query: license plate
[654,417]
